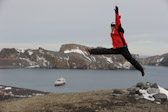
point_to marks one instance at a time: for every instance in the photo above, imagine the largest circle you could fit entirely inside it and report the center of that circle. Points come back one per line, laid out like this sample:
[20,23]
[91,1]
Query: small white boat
[60,82]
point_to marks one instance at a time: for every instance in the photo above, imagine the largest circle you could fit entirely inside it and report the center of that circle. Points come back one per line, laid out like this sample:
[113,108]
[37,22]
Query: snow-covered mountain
[159,60]
[70,56]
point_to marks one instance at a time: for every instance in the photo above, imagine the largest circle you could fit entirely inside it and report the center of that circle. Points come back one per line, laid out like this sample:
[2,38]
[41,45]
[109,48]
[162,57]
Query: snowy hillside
[70,56]
[161,60]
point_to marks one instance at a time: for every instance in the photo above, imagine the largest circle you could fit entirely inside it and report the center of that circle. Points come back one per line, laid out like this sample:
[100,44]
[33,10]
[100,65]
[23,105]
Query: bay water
[81,80]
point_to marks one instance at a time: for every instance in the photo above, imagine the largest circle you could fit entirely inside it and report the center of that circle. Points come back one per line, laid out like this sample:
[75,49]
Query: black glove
[116,9]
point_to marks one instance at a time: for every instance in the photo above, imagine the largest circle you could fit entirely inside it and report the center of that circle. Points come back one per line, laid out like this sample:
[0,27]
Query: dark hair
[112,24]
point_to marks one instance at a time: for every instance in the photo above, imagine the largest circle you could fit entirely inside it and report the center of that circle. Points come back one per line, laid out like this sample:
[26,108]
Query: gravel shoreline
[116,100]
[93,101]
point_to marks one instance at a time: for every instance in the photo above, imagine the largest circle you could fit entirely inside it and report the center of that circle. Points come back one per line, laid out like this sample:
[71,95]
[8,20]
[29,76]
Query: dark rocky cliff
[70,56]
[159,60]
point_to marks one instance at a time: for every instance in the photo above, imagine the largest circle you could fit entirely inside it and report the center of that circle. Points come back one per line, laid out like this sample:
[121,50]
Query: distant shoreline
[10,92]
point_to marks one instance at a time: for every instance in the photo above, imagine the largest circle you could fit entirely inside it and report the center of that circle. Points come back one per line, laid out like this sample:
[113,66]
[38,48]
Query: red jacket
[117,35]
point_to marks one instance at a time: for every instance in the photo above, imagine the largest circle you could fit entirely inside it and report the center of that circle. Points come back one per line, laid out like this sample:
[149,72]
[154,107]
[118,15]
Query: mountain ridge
[157,60]
[70,56]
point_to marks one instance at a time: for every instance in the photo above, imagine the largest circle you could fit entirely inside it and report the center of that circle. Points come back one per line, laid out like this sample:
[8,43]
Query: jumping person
[119,44]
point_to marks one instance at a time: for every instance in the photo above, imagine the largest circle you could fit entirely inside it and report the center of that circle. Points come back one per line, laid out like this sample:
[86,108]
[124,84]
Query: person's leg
[103,51]
[125,52]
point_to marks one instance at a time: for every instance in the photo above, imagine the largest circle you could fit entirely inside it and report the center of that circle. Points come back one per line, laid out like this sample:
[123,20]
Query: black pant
[124,51]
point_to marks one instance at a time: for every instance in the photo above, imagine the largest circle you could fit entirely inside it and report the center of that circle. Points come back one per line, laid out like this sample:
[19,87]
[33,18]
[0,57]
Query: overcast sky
[51,23]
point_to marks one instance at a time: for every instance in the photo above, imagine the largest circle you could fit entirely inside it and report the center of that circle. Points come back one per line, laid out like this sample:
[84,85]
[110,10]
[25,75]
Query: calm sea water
[81,80]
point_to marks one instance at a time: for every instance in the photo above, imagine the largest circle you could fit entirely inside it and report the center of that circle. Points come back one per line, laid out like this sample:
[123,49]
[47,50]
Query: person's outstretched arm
[118,21]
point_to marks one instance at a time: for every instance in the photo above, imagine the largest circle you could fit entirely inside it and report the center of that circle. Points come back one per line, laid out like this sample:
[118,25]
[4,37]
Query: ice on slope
[79,52]
[109,60]
[8,88]
[74,51]
[20,50]
[127,65]
[67,58]
[43,60]
[32,63]
[160,60]
[30,52]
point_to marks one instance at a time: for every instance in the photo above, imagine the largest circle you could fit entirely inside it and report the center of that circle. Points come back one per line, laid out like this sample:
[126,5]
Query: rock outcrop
[149,91]
[70,56]
[159,60]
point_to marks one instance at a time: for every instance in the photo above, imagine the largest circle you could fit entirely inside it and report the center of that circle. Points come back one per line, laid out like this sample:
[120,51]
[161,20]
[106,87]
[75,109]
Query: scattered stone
[115,95]
[145,87]
[152,90]
[158,103]
[141,97]
[117,91]
[141,84]
[160,97]
[154,86]
[150,97]
[136,95]
[133,90]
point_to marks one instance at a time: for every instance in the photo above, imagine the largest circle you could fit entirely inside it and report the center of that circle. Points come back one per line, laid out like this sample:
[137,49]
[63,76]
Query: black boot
[143,73]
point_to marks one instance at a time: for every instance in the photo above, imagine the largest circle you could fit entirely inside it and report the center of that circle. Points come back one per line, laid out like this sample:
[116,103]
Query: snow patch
[8,88]
[79,52]
[20,50]
[42,59]
[164,91]
[31,63]
[127,65]
[150,97]
[109,60]
[35,66]
[41,51]
[67,58]
[119,65]
[74,51]
[37,94]
[146,95]
[93,58]
[75,67]
[30,52]
[87,58]
[160,60]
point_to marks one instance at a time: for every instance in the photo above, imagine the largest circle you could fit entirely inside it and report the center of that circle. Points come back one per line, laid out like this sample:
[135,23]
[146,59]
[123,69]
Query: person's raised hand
[116,9]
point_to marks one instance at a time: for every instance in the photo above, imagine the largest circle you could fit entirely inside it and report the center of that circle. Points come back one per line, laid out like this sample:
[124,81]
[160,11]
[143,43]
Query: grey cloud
[80,21]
